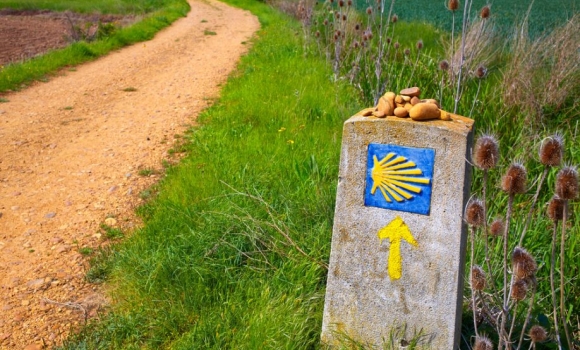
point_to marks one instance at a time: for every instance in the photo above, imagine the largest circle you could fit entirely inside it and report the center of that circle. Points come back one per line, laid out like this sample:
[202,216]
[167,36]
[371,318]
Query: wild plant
[542,77]
[471,53]
[361,48]
[507,310]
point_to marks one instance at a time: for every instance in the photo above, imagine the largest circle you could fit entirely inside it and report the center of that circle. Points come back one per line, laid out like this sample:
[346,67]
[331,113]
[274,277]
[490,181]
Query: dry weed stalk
[545,73]
[479,49]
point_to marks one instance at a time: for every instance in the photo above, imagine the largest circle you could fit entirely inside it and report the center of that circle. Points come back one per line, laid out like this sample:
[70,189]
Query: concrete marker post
[398,242]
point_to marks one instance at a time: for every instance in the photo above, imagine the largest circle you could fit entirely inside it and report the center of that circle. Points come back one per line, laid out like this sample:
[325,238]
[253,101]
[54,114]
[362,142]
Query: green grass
[112,232]
[90,6]
[19,75]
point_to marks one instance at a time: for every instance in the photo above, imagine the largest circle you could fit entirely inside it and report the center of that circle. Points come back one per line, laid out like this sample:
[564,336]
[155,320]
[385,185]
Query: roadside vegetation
[236,239]
[96,6]
[156,15]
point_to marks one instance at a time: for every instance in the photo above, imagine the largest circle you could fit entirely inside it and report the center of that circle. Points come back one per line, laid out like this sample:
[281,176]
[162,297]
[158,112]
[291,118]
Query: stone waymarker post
[398,243]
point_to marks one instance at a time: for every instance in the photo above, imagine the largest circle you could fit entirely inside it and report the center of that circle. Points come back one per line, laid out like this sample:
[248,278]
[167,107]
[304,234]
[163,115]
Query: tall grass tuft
[542,77]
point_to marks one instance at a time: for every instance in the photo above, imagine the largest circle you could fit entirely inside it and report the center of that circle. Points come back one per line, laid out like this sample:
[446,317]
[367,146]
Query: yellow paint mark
[395,231]
[393,176]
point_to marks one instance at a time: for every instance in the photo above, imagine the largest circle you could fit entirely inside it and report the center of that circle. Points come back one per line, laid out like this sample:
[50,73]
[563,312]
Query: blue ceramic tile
[399,178]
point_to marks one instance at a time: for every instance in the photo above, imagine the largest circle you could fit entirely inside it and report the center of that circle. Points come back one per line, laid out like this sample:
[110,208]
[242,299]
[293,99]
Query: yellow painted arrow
[395,231]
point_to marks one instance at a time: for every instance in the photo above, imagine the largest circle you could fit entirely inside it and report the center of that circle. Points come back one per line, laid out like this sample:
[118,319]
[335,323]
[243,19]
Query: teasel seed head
[481,72]
[325,22]
[396,45]
[519,290]
[341,3]
[357,26]
[484,13]
[551,150]
[523,264]
[486,152]
[453,5]
[567,183]
[475,212]
[556,208]
[482,343]
[337,15]
[477,278]
[344,17]
[407,52]
[355,44]
[497,227]
[388,40]
[514,180]
[349,3]
[444,65]
[395,18]
[538,334]
[369,10]
[419,45]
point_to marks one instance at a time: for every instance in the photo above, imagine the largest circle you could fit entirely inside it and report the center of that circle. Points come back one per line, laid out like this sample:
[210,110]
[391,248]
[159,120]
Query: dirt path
[71,151]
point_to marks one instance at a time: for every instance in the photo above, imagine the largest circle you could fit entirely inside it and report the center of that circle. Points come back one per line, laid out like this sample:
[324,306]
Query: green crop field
[543,16]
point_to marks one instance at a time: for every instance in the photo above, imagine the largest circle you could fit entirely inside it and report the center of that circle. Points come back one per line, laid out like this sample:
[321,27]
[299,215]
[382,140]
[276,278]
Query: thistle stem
[562,275]
[527,316]
[486,236]
[553,289]
[513,320]
[505,273]
[462,58]
[471,271]
[452,47]
[534,201]
[475,99]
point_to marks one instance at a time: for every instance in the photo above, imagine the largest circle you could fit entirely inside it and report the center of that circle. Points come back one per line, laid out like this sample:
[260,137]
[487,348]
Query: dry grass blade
[546,72]
[273,223]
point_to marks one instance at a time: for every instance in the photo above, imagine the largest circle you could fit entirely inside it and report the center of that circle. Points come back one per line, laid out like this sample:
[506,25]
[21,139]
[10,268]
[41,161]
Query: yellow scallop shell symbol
[394,175]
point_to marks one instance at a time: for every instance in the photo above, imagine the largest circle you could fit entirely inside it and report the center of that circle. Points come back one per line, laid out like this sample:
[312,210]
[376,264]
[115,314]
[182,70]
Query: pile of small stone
[407,104]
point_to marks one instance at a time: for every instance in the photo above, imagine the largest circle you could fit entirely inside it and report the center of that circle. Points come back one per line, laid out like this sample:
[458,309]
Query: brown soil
[73,153]
[28,33]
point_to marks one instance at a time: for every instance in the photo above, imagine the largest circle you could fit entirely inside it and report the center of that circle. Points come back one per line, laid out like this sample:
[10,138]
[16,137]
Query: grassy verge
[234,247]
[87,6]
[19,75]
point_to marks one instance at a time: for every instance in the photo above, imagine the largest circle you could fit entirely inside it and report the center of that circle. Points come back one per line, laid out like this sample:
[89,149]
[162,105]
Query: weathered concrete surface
[362,300]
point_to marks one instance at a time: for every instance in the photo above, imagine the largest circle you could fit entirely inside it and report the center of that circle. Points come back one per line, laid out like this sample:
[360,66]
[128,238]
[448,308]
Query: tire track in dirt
[71,151]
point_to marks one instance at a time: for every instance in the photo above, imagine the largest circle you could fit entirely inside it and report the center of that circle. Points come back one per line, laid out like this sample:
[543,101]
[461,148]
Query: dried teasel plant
[520,285]
[475,217]
[486,156]
[566,189]
[482,343]
[550,155]
[537,335]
